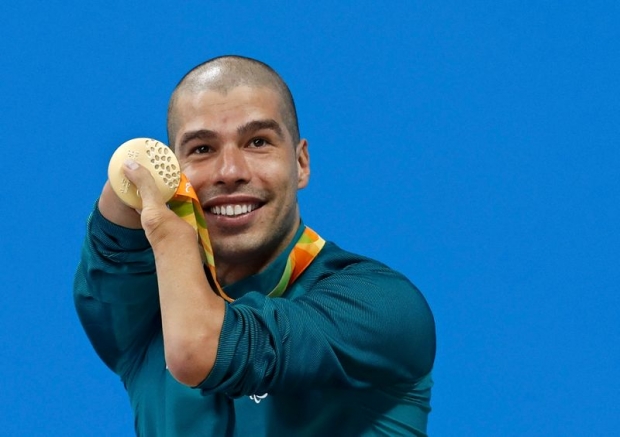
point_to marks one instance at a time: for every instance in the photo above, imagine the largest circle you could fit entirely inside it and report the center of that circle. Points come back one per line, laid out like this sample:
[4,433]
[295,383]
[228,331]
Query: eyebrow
[202,134]
[256,125]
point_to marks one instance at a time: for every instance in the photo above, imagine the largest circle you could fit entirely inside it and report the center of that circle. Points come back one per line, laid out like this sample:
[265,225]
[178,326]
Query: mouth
[233,210]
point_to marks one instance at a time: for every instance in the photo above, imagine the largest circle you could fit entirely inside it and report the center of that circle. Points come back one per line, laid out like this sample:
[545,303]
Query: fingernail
[131,164]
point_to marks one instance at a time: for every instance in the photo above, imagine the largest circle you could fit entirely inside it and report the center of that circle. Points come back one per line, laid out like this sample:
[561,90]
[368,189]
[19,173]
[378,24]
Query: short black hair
[233,71]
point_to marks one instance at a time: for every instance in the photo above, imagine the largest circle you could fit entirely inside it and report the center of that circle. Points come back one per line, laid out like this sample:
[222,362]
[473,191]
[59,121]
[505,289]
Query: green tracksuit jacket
[346,351]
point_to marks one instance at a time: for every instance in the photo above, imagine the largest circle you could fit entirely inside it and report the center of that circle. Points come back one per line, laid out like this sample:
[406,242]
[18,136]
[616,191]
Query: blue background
[472,145]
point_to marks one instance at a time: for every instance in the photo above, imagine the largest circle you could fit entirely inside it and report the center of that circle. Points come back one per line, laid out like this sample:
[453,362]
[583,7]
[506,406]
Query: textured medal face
[156,157]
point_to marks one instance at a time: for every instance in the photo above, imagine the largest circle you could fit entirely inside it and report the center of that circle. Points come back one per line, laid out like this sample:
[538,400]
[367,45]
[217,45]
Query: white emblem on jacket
[258,398]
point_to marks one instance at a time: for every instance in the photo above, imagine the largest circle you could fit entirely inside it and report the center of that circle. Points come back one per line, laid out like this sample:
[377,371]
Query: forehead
[237,105]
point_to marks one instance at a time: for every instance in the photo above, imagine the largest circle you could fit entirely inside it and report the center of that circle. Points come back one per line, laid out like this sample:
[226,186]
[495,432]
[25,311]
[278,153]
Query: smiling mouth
[233,210]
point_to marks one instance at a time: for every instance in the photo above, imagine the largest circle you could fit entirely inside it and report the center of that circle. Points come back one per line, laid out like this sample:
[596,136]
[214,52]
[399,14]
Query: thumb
[144,182]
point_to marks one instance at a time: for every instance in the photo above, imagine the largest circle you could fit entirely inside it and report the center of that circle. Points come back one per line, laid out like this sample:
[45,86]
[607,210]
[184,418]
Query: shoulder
[372,306]
[335,265]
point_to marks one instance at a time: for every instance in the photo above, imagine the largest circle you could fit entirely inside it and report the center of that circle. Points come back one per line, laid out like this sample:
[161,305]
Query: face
[237,153]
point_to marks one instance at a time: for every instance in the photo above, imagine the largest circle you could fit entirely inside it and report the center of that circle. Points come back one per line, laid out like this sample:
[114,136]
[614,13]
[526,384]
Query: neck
[231,271]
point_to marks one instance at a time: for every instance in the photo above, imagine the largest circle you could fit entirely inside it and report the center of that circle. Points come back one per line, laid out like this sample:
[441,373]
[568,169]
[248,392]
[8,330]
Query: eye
[258,142]
[201,149]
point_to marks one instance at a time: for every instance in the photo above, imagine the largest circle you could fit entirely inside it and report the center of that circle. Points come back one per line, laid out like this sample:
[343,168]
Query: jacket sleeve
[115,292]
[356,328]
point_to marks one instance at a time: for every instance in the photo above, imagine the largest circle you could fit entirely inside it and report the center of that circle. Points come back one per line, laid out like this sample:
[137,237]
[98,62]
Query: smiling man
[346,348]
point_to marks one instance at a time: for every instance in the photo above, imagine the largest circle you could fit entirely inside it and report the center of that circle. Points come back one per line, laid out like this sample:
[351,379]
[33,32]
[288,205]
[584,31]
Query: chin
[248,247]
[236,248]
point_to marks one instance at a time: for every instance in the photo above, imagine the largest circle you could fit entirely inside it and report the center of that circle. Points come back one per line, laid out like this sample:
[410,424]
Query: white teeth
[232,210]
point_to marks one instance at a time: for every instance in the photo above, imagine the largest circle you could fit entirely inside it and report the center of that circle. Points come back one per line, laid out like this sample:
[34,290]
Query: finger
[144,182]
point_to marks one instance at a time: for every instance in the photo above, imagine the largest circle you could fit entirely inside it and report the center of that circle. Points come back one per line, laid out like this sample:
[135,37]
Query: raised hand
[156,219]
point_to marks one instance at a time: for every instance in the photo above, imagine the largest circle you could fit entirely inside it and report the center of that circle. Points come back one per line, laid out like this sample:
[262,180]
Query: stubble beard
[247,253]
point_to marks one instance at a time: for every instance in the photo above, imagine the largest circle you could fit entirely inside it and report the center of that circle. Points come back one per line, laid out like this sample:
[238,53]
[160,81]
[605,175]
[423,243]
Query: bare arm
[192,314]
[113,209]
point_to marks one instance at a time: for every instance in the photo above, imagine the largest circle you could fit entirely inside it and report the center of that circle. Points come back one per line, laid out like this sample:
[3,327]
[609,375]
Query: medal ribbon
[185,204]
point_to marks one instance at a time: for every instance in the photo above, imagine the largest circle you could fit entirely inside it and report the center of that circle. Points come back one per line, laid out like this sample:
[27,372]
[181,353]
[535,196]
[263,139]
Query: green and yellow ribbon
[185,204]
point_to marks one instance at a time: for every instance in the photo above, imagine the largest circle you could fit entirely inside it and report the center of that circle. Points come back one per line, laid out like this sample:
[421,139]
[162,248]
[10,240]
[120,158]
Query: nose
[232,167]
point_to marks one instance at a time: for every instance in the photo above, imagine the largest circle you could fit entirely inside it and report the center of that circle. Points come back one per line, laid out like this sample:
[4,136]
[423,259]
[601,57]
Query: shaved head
[224,73]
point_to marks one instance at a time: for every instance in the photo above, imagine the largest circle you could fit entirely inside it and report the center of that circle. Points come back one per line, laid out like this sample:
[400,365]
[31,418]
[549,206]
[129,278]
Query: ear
[303,164]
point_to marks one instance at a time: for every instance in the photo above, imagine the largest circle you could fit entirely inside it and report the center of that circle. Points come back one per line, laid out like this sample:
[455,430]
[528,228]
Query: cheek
[276,174]
[196,173]
[287,191]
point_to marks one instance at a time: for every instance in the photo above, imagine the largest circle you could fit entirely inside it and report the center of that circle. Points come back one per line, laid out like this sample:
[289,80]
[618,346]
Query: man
[345,350]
